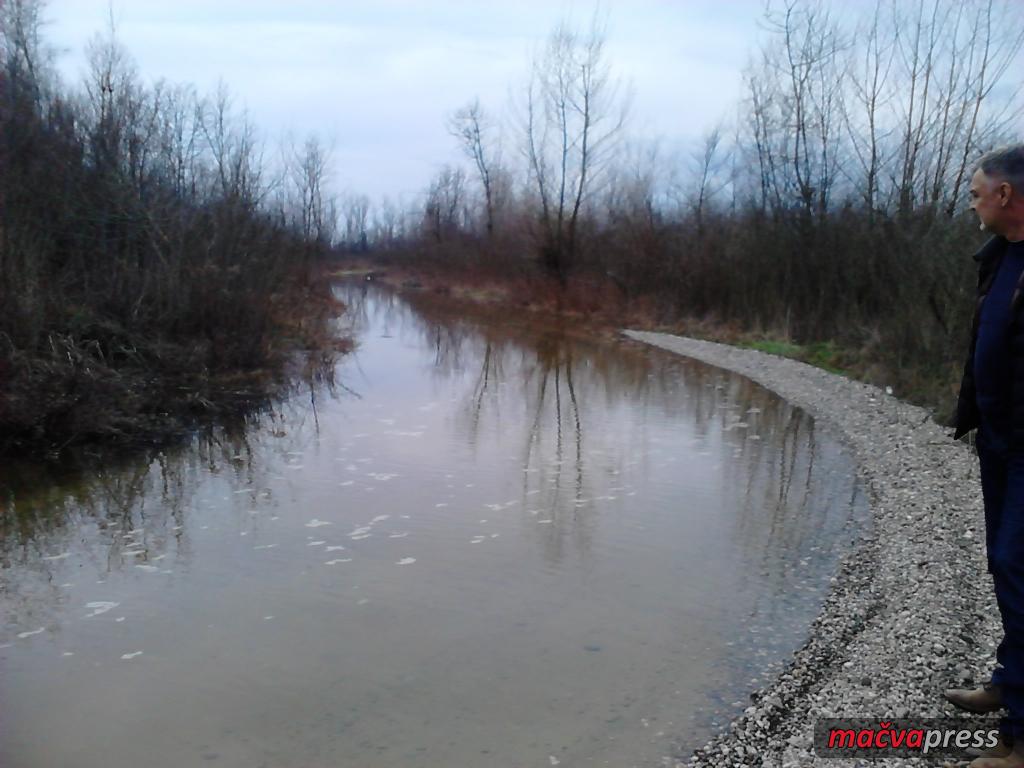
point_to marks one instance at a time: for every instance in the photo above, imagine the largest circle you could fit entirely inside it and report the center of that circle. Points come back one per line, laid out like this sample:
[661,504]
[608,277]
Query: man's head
[997,191]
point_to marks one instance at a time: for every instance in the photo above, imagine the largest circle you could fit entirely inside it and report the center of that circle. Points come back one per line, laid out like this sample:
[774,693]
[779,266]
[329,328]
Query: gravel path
[911,609]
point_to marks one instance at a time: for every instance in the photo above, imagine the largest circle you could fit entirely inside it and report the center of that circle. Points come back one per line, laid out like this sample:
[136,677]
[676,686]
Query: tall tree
[574,113]
[472,127]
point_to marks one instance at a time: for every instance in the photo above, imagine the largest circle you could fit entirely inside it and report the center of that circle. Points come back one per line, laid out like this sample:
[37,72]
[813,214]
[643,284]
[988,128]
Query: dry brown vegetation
[151,271]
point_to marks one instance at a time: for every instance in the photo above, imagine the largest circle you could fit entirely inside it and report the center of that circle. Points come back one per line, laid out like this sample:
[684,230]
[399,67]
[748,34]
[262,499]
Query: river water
[493,543]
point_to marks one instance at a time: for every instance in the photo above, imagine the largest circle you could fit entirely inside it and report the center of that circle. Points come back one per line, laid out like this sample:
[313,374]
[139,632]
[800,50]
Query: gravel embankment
[911,609]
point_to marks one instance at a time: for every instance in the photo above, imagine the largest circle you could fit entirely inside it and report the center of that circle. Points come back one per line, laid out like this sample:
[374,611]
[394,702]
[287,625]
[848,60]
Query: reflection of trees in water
[546,380]
[523,386]
[102,508]
[534,388]
[780,483]
[109,518]
[356,297]
[788,475]
[117,514]
[792,504]
[798,502]
[553,368]
[551,431]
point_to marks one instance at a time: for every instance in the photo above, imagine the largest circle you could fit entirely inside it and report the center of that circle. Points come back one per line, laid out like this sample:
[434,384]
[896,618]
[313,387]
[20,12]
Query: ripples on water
[492,544]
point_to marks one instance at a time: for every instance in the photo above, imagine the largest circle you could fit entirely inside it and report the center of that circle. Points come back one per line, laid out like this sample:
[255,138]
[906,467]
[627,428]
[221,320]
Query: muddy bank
[104,387]
[910,611]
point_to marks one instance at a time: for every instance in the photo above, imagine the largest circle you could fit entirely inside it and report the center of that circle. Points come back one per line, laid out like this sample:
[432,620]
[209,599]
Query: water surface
[494,543]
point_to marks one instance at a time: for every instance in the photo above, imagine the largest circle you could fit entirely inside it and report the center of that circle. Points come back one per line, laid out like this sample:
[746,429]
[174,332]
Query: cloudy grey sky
[379,78]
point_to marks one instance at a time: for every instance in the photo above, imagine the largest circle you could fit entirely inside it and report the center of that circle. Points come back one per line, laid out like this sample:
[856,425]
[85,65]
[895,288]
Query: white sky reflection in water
[643,564]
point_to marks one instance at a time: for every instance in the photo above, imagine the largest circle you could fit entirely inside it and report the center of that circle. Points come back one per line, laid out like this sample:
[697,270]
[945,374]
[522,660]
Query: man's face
[988,199]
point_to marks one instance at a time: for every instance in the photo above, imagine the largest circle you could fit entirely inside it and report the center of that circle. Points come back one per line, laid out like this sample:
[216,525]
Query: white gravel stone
[910,611]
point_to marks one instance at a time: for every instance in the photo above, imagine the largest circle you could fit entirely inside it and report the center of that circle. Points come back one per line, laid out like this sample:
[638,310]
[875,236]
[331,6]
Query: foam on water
[99,607]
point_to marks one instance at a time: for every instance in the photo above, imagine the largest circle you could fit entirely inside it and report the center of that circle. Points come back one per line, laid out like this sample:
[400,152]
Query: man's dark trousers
[1002,485]
[997,396]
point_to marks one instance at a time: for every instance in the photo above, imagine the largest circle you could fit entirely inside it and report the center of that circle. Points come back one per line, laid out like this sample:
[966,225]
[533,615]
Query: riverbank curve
[910,610]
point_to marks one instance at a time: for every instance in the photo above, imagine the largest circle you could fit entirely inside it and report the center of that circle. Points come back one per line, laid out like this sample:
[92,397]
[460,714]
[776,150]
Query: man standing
[992,400]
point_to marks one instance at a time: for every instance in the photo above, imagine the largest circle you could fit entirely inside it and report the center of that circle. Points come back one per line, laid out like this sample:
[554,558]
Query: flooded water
[492,545]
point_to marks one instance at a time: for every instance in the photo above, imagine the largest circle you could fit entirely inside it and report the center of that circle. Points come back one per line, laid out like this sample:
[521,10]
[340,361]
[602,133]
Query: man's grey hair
[1005,164]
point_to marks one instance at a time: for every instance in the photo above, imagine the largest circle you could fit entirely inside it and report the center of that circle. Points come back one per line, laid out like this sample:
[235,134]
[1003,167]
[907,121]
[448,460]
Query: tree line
[832,207]
[152,243]
[150,260]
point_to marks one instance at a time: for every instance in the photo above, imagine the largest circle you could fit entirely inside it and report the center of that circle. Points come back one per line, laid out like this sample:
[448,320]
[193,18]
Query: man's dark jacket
[967,416]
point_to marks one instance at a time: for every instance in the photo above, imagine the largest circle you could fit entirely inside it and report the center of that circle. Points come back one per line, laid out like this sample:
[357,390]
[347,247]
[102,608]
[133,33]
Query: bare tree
[386,223]
[445,203]
[762,125]
[316,210]
[807,84]
[917,90]
[574,113]
[236,153]
[863,116]
[993,44]
[473,128]
[179,138]
[357,212]
[705,165]
[24,56]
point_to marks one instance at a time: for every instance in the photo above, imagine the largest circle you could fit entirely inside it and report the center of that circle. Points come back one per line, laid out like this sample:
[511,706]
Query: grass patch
[821,354]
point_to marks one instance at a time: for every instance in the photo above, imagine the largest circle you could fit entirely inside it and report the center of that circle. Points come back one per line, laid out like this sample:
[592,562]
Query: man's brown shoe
[1013,760]
[981,701]
[1001,749]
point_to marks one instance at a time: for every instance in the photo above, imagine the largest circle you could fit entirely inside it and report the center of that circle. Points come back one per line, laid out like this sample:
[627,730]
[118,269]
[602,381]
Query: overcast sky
[379,78]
